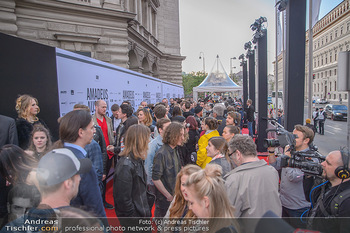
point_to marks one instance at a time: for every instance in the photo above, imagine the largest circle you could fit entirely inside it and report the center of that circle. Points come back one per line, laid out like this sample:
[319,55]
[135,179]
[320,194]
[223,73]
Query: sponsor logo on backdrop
[94,94]
[63,92]
[72,92]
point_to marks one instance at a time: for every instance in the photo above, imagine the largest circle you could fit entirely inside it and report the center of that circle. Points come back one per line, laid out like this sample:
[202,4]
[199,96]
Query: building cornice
[76,38]
[77,9]
[324,23]
[174,57]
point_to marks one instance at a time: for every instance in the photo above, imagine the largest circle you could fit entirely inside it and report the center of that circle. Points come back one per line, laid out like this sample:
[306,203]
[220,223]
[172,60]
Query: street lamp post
[232,58]
[201,56]
[260,39]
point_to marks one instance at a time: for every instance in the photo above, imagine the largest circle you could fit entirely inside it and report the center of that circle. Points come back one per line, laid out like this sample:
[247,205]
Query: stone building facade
[331,35]
[141,35]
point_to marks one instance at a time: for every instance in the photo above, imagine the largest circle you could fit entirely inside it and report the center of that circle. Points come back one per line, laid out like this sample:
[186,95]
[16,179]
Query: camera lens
[271,143]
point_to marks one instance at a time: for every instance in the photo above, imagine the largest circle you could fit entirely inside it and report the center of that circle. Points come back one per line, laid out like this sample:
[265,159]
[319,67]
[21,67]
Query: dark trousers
[109,165]
[162,207]
[4,190]
[316,126]
[321,126]
[293,216]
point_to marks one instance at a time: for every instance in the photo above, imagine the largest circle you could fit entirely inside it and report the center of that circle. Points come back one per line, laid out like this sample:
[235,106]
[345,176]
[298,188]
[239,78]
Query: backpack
[335,203]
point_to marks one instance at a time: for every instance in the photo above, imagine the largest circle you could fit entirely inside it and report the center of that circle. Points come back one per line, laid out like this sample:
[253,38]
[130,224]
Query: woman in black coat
[129,189]
[190,145]
[27,109]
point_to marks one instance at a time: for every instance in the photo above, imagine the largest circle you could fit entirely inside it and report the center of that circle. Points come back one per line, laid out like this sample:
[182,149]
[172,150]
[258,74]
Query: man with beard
[330,200]
[101,119]
[58,176]
[293,201]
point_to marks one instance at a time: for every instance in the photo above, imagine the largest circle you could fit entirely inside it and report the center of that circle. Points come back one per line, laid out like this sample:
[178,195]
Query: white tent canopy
[216,81]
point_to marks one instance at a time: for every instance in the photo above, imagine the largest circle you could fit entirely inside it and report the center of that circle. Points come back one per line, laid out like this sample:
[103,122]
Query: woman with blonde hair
[144,116]
[207,198]
[217,150]
[178,207]
[40,142]
[27,109]
[129,189]
[210,126]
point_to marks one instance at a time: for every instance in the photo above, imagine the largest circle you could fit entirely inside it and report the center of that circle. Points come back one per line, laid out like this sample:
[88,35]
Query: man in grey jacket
[294,204]
[252,187]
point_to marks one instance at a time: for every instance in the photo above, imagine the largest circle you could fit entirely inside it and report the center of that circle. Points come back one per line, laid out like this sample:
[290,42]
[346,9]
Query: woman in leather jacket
[129,189]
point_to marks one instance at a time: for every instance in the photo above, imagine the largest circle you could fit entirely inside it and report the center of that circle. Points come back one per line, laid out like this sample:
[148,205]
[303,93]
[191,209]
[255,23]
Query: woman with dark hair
[27,109]
[230,131]
[193,136]
[16,166]
[177,115]
[210,127]
[217,150]
[40,142]
[129,189]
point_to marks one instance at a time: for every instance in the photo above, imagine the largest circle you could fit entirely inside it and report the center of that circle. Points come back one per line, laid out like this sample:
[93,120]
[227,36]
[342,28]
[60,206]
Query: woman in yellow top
[210,126]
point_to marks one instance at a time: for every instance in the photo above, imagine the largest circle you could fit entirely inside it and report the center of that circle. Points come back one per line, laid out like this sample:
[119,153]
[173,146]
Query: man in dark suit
[8,135]
[8,131]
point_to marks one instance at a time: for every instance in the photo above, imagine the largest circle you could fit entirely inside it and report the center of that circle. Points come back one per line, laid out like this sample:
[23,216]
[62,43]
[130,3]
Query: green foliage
[192,80]
[234,78]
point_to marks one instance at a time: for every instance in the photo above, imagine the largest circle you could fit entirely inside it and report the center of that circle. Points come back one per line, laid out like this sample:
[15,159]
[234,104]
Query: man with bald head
[106,125]
[330,197]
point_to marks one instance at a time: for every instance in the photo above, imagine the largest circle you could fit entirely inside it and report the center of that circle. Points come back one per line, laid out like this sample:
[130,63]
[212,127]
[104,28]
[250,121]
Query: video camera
[309,162]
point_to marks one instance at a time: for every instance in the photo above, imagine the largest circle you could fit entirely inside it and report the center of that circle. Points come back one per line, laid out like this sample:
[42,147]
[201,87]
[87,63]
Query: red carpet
[109,199]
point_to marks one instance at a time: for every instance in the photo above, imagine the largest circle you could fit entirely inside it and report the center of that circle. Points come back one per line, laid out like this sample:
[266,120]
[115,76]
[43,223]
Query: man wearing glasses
[252,187]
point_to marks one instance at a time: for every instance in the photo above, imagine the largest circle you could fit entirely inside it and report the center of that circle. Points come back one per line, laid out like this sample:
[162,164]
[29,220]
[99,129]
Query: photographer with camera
[293,201]
[330,200]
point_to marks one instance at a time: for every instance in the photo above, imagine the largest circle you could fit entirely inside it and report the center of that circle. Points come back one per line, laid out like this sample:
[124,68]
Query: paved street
[335,135]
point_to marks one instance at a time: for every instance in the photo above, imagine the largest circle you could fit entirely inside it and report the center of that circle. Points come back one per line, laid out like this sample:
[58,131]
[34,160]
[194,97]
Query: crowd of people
[189,160]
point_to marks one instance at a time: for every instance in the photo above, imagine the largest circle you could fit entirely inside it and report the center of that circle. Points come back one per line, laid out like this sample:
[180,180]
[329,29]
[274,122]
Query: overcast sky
[221,27]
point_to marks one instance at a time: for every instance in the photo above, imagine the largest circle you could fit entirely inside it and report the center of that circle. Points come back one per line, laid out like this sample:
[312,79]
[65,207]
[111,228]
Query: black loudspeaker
[342,172]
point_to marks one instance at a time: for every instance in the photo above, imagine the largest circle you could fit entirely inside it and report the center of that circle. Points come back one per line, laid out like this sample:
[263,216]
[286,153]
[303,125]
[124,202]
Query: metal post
[200,57]
[295,58]
[251,74]
[348,122]
[231,68]
[310,60]
[276,77]
[245,82]
[262,94]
